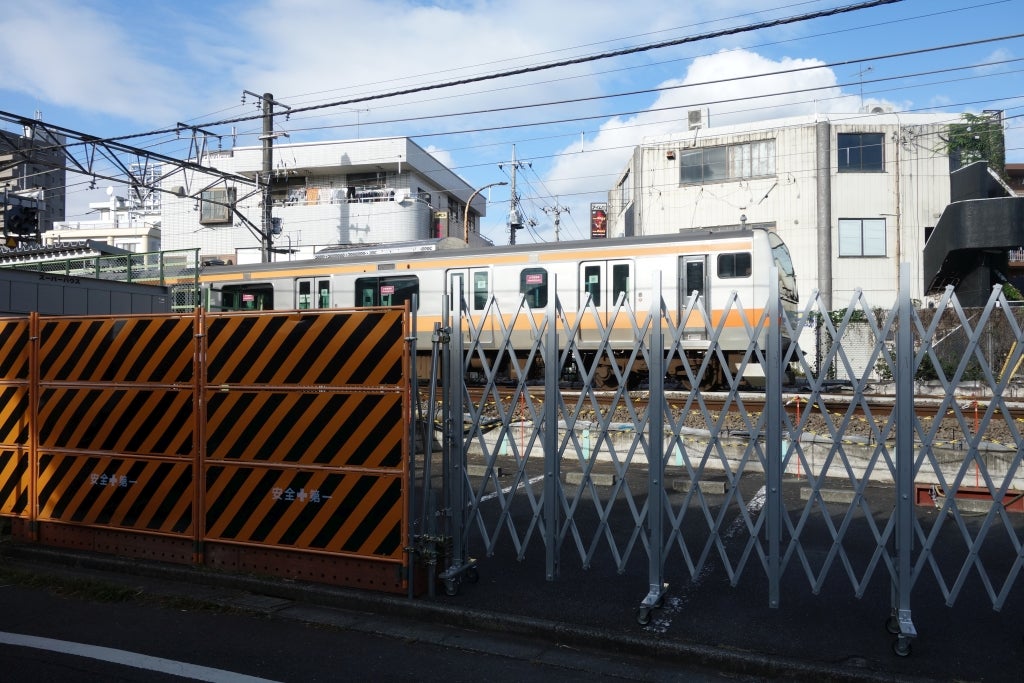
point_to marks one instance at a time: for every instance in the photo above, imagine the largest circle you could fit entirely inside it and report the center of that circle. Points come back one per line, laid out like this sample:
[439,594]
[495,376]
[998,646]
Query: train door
[603,283]
[693,282]
[312,293]
[475,286]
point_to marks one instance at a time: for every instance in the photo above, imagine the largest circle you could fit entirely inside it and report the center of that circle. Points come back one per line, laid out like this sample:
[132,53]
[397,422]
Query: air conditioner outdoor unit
[696,118]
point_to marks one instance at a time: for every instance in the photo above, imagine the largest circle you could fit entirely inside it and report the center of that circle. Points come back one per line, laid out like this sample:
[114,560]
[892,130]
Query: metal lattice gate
[623,475]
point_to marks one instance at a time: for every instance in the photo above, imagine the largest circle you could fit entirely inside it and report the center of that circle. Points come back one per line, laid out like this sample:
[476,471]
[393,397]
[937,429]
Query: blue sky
[110,68]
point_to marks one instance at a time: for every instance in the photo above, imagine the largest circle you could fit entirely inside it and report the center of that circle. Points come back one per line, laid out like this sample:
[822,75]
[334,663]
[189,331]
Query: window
[216,205]
[862,237]
[592,284]
[734,265]
[304,294]
[621,275]
[481,290]
[390,290]
[533,284]
[728,162]
[249,297]
[860,152]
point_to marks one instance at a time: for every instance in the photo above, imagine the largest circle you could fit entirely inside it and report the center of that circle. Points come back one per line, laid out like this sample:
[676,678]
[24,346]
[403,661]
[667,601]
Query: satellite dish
[110,191]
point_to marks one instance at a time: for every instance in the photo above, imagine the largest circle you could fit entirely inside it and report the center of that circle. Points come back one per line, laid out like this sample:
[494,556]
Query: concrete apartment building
[853,195]
[32,175]
[323,194]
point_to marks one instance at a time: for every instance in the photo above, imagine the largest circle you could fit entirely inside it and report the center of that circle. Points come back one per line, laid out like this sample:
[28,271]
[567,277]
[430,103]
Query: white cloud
[715,83]
[75,56]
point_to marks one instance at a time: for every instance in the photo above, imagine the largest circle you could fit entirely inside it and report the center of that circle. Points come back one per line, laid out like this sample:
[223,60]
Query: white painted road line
[508,489]
[132,659]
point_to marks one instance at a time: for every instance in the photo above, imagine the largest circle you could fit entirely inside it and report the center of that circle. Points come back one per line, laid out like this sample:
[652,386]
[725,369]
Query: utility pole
[515,219]
[267,221]
[557,210]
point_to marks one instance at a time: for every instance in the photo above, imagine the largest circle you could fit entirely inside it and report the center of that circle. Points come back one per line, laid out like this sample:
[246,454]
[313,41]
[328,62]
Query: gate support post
[655,457]
[454,451]
[773,435]
[901,623]
[552,458]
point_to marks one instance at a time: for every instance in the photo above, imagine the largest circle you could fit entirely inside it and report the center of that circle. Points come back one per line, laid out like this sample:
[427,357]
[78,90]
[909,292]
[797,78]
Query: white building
[852,195]
[120,223]
[323,194]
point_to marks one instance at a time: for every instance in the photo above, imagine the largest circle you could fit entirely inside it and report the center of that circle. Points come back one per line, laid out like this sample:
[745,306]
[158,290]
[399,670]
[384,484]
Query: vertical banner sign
[598,220]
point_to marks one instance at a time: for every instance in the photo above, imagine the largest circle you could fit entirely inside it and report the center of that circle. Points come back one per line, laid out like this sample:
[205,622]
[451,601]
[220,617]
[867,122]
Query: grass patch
[104,591]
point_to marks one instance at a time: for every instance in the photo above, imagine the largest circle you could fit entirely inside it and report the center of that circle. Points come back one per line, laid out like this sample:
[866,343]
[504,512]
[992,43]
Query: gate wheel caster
[901,646]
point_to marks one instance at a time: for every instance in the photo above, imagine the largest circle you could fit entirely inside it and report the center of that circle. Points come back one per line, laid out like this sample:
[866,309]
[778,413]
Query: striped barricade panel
[335,429]
[357,513]
[14,481]
[330,348]
[14,416]
[116,422]
[14,350]
[124,421]
[131,493]
[143,349]
[305,431]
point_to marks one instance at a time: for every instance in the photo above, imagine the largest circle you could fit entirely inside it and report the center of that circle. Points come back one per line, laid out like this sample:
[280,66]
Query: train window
[592,284]
[533,284]
[323,289]
[620,280]
[734,265]
[247,297]
[392,290]
[481,290]
[691,278]
[304,294]
[304,298]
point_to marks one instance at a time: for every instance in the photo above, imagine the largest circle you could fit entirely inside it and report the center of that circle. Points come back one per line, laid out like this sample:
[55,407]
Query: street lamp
[465,221]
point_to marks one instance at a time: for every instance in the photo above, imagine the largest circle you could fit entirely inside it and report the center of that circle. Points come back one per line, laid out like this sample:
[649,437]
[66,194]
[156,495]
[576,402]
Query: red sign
[598,221]
[534,279]
[387,290]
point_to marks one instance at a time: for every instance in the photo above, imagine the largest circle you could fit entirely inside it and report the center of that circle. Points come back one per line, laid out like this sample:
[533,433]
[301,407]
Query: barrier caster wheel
[892,625]
[472,575]
[901,646]
[643,615]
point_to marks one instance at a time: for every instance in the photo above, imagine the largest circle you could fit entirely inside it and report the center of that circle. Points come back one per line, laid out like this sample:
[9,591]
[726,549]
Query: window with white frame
[862,237]
[727,162]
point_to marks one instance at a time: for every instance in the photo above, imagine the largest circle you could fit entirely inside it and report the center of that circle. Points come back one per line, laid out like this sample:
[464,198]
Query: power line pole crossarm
[557,210]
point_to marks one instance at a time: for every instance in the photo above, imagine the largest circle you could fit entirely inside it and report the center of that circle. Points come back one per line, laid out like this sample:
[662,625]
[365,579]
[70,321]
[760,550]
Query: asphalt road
[158,631]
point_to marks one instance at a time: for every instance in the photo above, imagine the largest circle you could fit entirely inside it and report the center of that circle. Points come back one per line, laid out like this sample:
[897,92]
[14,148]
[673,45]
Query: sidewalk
[710,624]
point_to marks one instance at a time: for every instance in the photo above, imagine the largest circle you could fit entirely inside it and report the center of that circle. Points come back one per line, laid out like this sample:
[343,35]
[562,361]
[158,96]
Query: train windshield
[784,262]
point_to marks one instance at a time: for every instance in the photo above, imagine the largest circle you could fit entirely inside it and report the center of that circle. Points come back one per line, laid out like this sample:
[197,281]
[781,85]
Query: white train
[594,280]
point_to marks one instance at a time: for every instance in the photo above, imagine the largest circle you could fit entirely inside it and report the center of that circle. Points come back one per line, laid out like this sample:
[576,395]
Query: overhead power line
[554,65]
